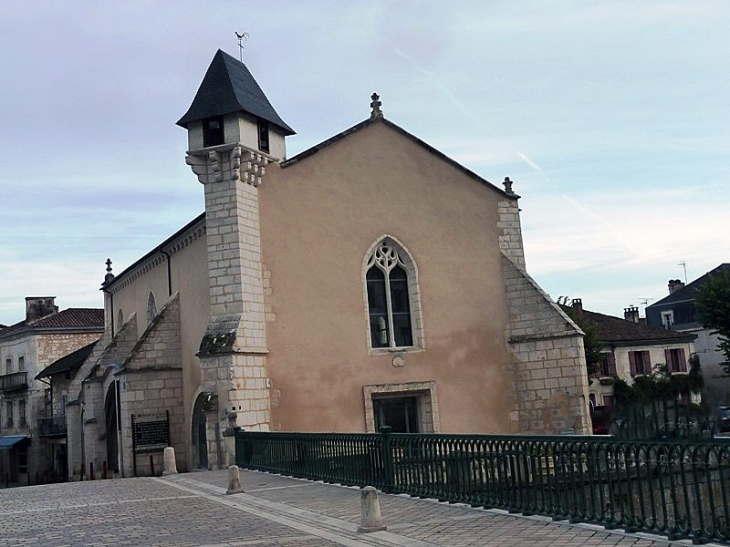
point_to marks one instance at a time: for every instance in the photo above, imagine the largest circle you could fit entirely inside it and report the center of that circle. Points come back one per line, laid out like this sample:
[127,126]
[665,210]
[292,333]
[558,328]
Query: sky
[612,119]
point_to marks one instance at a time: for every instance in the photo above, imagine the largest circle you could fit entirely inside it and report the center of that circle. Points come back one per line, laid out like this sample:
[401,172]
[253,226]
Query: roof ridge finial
[375,105]
[109,277]
[508,186]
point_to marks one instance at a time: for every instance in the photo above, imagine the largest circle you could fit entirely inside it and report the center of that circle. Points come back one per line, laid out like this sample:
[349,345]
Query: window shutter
[632,362]
[682,361]
[647,362]
[612,364]
[668,360]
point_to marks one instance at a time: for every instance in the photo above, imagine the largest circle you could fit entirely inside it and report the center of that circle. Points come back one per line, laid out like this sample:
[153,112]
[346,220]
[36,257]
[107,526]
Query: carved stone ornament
[233,161]
[398,361]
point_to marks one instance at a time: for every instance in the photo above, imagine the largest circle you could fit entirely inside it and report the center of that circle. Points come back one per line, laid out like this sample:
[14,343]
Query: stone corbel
[234,160]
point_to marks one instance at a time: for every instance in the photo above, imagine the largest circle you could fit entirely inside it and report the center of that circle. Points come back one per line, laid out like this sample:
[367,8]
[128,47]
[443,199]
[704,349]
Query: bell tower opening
[213,134]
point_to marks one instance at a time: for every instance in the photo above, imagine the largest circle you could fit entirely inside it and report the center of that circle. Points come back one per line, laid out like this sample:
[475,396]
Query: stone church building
[368,281]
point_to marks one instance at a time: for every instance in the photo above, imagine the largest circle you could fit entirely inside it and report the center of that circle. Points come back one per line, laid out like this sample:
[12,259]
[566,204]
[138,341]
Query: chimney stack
[37,307]
[577,305]
[675,285]
[631,314]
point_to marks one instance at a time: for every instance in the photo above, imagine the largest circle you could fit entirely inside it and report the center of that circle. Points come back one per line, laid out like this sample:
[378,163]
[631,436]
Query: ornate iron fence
[677,488]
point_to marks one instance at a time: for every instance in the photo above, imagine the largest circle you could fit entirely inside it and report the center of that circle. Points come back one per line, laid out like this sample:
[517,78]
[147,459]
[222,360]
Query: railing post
[243,448]
[388,472]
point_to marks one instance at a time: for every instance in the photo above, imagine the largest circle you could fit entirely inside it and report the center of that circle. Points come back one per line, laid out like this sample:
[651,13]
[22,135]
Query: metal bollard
[152,466]
[370,518]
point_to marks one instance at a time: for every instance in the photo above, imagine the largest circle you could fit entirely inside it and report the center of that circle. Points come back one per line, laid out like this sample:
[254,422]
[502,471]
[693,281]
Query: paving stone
[193,510]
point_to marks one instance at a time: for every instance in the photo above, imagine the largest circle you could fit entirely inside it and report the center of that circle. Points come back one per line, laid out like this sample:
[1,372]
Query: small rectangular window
[676,361]
[8,365]
[640,362]
[10,420]
[668,319]
[21,413]
[213,134]
[21,364]
[399,413]
[263,128]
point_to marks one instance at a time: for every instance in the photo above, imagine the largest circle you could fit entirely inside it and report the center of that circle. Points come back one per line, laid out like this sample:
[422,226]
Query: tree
[712,303]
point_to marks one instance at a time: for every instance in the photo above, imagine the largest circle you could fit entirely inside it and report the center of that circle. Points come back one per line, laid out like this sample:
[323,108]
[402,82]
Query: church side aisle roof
[229,87]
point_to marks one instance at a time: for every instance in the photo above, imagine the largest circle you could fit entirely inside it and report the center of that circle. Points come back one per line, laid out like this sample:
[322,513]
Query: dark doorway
[400,413]
[112,427]
[200,437]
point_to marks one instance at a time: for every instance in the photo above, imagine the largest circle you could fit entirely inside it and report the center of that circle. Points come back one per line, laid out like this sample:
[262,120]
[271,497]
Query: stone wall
[148,393]
[551,383]
[151,384]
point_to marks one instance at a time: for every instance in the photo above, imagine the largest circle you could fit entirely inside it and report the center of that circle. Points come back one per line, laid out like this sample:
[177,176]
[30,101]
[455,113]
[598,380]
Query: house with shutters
[676,312]
[632,349]
[369,280]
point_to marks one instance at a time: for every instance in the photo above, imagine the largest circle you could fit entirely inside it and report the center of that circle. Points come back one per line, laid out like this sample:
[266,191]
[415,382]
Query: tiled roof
[229,87]
[610,329]
[71,318]
[71,361]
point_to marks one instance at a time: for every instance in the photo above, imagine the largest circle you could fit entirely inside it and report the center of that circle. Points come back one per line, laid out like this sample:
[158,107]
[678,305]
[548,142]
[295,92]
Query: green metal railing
[677,488]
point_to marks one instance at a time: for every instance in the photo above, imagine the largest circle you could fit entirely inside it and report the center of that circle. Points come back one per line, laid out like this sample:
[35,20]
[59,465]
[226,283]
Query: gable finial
[375,105]
[508,186]
[241,38]
[109,277]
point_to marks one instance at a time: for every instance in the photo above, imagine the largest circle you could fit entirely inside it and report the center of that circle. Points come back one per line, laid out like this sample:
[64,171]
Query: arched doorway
[112,428]
[199,434]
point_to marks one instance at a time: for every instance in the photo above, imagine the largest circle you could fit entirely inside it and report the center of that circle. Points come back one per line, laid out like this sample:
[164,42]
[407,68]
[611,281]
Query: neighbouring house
[368,281]
[676,312]
[631,349]
[28,448]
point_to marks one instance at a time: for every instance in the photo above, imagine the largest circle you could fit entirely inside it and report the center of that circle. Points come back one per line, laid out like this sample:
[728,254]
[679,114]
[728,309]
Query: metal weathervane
[241,39]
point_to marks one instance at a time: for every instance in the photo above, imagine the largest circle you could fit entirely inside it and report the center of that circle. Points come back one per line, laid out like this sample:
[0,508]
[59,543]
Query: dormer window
[263,127]
[213,131]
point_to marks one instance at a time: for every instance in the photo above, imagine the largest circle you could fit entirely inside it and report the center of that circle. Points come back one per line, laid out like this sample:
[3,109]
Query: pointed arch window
[389,299]
[151,308]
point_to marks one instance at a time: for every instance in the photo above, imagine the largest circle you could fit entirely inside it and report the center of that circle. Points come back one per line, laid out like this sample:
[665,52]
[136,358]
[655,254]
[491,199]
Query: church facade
[367,281]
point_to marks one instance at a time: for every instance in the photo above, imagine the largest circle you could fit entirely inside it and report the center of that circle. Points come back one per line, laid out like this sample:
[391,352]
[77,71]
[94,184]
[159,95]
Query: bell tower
[233,133]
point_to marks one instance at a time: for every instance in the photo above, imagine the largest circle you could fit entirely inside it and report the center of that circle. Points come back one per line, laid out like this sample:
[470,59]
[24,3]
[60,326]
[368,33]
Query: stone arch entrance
[199,432]
[111,419]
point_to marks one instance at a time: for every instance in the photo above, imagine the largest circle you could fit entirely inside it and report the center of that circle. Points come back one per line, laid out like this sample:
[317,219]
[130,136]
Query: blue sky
[611,117]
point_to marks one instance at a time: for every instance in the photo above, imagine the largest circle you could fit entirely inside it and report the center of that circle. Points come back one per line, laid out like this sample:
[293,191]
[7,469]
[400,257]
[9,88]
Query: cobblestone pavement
[193,510]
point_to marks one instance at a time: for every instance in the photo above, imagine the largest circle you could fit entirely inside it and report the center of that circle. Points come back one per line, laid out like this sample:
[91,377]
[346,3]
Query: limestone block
[370,517]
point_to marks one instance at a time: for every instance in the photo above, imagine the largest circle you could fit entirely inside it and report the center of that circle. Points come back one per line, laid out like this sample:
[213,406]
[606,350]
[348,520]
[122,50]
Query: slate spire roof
[229,87]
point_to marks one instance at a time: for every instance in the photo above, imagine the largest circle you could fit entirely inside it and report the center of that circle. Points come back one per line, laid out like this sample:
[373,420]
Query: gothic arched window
[151,308]
[388,295]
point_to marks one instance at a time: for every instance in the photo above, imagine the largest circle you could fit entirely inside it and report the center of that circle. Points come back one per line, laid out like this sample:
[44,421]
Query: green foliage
[659,386]
[713,309]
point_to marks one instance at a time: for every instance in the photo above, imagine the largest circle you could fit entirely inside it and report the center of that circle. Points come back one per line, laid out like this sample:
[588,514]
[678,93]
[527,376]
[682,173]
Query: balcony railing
[13,382]
[54,426]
